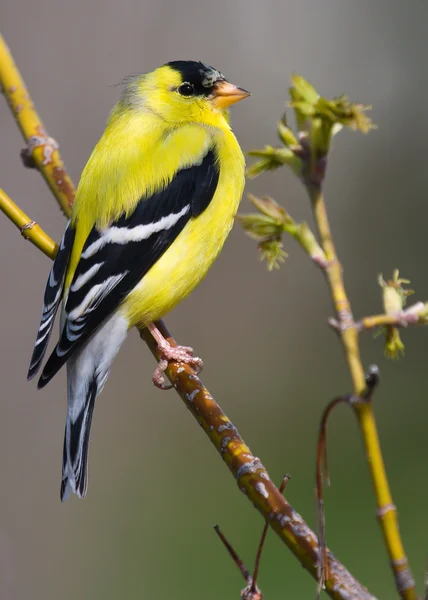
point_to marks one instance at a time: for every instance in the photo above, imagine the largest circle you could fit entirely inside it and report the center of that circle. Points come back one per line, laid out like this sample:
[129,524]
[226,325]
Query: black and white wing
[52,299]
[114,260]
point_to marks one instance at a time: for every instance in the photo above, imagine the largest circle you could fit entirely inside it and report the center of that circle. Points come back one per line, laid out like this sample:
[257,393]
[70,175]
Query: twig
[322,471]
[413,315]
[251,476]
[238,562]
[28,228]
[251,591]
[348,332]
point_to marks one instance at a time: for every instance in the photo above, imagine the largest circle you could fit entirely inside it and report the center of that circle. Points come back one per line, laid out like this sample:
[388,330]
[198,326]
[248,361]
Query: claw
[181,354]
[158,376]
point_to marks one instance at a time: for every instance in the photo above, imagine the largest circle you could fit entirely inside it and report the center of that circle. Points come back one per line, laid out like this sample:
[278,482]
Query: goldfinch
[153,208]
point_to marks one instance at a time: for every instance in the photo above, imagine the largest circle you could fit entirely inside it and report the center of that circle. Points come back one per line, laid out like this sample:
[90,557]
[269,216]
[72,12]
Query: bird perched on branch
[153,208]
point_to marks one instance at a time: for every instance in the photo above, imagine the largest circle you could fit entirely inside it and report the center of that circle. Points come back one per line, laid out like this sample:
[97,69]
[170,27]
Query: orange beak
[226,93]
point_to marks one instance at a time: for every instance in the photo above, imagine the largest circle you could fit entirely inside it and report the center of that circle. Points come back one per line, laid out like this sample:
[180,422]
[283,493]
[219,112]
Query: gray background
[156,485]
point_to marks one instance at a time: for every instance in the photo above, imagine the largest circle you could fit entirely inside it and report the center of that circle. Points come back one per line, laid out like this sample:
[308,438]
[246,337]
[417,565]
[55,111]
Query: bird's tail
[87,372]
[75,452]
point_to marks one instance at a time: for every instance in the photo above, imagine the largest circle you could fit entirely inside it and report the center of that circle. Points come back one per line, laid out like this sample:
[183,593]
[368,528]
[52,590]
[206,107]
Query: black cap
[202,77]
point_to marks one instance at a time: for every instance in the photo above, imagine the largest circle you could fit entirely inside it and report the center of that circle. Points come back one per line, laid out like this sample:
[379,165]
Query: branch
[252,478]
[348,331]
[28,228]
[42,151]
[414,315]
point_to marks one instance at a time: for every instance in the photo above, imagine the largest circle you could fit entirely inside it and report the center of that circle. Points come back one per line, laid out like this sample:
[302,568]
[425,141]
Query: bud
[270,208]
[393,344]
[286,134]
[272,251]
[267,228]
[271,159]
[267,224]
[394,297]
[322,118]
[393,293]
[423,317]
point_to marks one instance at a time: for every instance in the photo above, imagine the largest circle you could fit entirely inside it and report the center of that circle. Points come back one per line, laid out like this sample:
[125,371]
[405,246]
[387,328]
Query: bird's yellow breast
[188,259]
[139,156]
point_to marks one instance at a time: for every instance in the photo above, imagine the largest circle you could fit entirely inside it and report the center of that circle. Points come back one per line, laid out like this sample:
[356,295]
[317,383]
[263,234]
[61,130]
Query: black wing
[113,261]
[51,300]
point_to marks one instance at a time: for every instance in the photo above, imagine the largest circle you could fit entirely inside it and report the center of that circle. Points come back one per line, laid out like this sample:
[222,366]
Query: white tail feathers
[87,372]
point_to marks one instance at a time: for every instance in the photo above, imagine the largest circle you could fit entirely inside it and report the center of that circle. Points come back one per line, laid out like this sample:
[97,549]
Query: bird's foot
[158,376]
[181,354]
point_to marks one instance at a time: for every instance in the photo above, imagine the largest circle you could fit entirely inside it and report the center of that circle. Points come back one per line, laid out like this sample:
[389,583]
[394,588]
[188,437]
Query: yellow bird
[153,208]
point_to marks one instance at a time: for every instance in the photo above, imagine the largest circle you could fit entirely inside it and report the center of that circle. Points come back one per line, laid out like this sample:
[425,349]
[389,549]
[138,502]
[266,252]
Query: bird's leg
[183,354]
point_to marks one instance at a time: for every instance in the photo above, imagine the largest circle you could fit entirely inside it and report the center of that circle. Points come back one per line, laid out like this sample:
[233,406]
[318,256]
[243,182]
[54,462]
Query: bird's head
[185,91]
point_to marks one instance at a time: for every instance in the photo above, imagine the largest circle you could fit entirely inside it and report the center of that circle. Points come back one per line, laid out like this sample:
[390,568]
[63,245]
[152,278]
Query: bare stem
[322,473]
[348,331]
[233,554]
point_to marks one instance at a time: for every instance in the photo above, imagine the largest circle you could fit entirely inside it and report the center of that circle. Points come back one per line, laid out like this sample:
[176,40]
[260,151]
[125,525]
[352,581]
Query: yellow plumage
[187,261]
[151,152]
[153,208]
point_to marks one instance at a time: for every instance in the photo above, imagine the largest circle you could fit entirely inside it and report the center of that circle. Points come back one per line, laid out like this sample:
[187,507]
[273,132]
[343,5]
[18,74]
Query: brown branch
[252,478]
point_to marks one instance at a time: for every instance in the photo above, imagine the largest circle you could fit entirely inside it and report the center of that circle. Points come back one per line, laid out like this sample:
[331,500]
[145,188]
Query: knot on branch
[36,141]
[27,227]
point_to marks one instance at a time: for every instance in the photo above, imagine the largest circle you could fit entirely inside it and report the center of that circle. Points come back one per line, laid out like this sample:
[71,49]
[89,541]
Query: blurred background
[156,485]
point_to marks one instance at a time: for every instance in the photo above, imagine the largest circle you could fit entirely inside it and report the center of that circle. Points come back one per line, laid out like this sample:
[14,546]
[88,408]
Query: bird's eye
[186,89]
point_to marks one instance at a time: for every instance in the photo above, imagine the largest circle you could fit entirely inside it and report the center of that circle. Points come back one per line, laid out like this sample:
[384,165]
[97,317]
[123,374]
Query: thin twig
[251,591]
[238,562]
[322,471]
[248,470]
[413,315]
